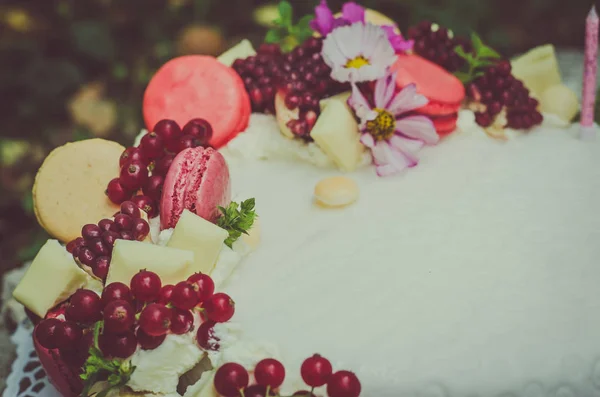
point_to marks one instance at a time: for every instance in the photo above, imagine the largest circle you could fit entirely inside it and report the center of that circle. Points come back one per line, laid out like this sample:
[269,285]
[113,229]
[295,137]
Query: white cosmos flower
[358,52]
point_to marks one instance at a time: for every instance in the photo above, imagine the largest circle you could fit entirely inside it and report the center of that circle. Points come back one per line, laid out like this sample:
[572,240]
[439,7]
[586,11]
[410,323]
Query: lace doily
[27,377]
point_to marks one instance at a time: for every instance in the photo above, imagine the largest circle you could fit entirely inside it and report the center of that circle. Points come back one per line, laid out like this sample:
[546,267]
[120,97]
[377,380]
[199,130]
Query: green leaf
[286,12]
[477,42]
[463,77]
[460,52]
[273,36]
[488,52]
[303,29]
[237,221]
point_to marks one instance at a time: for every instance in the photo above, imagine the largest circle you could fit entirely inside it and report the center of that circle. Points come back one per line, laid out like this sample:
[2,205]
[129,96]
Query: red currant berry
[116,192]
[182,321]
[147,205]
[45,333]
[155,319]
[187,142]
[148,342]
[343,384]
[154,186]
[86,256]
[98,247]
[78,242]
[105,224]
[165,294]
[203,285]
[119,316]
[126,235]
[132,154]
[230,379]
[77,356]
[494,108]
[537,118]
[184,296]
[114,292]
[219,307]
[84,307]
[140,229]
[269,372]
[316,370]
[170,132]
[206,336]
[129,208]
[504,68]
[134,175]
[483,119]
[200,129]
[123,222]
[122,345]
[162,165]
[91,231]
[101,266]
[109,237]
[67,334]
[145,286]
[151,145]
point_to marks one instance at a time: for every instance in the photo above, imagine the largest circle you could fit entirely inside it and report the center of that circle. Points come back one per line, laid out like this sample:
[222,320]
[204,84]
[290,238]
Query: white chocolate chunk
[252,239]
[561,101]
[242,50]
[203,238]
[336,133]
[52,277]
[129,257]
[337,191]
[538,69]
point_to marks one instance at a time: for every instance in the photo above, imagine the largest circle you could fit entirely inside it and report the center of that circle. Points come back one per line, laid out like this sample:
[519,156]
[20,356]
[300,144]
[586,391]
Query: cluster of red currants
[232,379]
[94,247]
[437,44]
[499,90]
[142,313]
[301,75]
[146,166]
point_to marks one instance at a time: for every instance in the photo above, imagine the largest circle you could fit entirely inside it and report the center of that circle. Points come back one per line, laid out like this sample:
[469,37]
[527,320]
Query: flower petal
[384,153]
[397,40]
[407,145]
[407,100]
[418,127]
[353,12]
[367,140]
[384,90]
[323,21]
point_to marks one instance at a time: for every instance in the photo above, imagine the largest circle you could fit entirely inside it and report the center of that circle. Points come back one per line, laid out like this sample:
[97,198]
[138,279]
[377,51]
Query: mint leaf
[273,36]
[98,368]
[286,13]
[237,221]
[303,29]
[463,77]
[488,52]
[477,42]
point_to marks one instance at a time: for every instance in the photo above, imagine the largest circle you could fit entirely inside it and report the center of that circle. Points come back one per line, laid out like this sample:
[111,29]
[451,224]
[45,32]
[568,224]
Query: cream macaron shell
[69,187]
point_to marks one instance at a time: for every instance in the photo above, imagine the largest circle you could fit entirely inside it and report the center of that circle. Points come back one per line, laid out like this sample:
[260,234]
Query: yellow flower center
[383,126]
[357,62]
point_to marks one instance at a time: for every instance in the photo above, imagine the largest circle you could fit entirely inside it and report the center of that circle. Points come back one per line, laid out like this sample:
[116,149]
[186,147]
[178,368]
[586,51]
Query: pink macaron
[198,180]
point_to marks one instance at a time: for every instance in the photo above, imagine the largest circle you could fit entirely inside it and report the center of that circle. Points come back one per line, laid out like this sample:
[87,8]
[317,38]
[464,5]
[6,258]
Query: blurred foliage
[76,69]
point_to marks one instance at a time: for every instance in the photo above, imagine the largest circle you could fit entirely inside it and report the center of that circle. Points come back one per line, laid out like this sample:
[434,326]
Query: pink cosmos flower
[390,128]
[325,22]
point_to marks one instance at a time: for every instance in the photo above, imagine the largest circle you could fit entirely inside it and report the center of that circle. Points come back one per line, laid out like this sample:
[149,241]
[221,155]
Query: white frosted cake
[344,212]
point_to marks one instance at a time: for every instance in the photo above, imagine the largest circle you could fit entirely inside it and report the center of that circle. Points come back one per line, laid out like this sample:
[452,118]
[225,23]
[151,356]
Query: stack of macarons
[197,86]
[444,91]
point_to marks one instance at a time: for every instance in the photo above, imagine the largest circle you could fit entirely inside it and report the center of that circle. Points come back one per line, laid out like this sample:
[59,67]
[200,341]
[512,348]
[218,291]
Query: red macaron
[197,86]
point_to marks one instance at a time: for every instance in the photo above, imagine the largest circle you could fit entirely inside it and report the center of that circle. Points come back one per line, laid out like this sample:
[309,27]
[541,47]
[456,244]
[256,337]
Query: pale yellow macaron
[336,191]
[69,187]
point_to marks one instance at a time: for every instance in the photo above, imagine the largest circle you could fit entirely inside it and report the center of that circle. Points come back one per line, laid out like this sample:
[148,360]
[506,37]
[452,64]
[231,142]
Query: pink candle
[590,69]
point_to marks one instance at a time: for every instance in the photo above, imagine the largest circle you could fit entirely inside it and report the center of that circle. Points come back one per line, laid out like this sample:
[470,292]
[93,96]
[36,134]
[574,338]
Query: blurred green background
[74,69]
